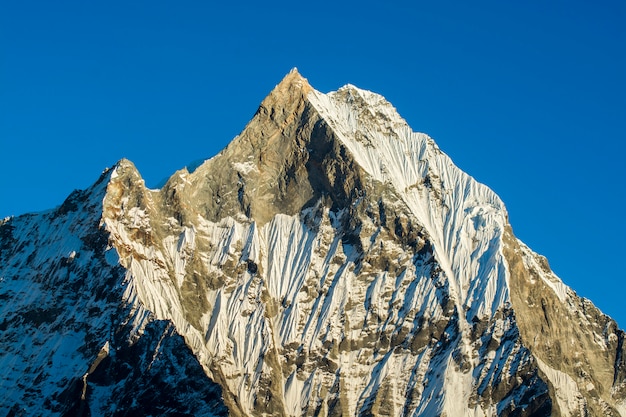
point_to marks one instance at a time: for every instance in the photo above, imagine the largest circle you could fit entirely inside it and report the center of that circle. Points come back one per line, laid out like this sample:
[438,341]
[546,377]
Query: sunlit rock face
[329,261]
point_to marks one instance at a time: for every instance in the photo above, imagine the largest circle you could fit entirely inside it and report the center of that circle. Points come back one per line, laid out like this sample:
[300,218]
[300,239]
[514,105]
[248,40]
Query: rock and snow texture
[70,345]
[329,261]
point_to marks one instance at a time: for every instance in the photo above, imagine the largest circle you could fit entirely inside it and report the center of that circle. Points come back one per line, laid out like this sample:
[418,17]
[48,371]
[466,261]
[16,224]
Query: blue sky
[527,97]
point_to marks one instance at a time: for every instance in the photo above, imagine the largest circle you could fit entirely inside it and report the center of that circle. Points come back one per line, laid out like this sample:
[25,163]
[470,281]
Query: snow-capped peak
[329,261]
[464,218]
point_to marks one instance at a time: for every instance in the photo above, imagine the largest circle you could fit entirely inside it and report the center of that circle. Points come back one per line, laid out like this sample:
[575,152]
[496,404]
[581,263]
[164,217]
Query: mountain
[329,261]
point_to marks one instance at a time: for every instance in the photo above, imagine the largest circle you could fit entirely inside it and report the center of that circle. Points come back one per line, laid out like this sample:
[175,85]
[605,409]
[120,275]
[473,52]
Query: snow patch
[245,168]
[568,396]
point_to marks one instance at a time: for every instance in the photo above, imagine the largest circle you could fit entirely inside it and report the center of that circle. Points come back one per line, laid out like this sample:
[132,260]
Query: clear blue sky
[528,97]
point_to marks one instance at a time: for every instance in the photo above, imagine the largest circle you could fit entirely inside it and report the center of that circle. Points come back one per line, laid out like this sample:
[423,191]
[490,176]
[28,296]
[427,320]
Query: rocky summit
[329,262]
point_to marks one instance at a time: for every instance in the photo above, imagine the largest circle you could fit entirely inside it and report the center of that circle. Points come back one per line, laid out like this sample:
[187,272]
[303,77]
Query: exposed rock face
[562,330]
[329,261]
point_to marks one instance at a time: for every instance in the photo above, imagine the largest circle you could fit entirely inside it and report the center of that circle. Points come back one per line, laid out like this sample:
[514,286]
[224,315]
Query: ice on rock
[464,218]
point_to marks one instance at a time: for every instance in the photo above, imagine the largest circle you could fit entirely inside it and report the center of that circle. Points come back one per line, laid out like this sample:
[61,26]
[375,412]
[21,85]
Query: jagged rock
[329,261]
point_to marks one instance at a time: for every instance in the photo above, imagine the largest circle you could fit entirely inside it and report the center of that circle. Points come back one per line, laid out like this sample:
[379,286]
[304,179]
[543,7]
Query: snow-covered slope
[464,219]
[330,261]
[70,342]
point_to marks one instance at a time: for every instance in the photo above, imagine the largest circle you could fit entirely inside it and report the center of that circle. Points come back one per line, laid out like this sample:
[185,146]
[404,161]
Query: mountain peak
[293,81]
[329,261]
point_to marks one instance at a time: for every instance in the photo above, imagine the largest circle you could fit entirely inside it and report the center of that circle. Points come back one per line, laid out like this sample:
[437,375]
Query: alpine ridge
[328,262]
